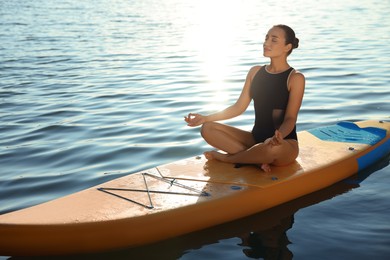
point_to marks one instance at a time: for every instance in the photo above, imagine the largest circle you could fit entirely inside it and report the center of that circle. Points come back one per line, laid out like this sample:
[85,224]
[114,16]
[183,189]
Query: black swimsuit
[270,95]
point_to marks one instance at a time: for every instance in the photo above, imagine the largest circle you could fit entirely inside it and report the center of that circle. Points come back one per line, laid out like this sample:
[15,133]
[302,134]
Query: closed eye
[274,38]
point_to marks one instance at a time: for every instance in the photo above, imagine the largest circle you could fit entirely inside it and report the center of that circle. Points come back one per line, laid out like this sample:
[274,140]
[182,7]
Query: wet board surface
[188,195]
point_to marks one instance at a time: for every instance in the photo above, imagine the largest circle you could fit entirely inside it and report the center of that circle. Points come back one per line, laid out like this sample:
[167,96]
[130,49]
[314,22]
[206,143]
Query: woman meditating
[277,91]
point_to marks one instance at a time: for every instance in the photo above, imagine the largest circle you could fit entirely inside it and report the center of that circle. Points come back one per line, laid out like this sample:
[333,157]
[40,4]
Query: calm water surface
[94,90]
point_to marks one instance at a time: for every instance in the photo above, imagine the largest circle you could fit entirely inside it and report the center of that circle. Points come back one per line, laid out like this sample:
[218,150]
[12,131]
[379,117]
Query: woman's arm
[234,110]
[297,88]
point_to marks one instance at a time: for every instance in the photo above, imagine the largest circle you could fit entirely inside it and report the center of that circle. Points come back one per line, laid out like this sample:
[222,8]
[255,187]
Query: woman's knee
[286,154]
[207,128]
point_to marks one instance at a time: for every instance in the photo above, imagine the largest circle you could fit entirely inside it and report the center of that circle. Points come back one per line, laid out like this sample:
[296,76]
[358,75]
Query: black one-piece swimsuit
[270,95]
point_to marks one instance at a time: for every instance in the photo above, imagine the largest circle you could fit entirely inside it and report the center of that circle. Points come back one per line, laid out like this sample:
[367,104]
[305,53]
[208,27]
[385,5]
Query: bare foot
[265,167]
[208,155]
[214,155]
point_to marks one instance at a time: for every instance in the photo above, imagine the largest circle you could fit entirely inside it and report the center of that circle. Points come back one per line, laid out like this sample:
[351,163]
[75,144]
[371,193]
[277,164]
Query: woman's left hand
[275,140]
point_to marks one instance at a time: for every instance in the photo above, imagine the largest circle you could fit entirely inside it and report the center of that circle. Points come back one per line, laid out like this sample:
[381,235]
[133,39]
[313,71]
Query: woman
[277,91]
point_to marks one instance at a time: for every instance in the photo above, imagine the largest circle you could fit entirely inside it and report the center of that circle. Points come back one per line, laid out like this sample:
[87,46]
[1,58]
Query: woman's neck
[278,65]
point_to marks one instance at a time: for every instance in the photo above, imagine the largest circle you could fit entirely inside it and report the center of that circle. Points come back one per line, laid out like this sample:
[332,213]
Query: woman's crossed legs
[240,147]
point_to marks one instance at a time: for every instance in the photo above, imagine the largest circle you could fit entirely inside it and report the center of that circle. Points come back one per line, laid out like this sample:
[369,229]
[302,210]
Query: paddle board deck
[188,195]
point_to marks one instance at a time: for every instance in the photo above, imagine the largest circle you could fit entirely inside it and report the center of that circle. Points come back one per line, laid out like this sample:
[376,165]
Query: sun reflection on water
[215,32]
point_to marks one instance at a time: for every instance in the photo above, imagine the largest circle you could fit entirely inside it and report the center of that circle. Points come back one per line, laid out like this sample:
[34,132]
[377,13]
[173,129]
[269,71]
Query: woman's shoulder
[296,78]
[256,68]
[296,75]
[252,72]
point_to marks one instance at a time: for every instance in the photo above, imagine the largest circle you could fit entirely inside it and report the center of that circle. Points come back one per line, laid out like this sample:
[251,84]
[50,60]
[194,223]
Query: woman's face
[275,43]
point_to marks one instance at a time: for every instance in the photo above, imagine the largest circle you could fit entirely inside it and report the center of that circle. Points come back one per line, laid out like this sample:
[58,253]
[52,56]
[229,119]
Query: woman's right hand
[194,119]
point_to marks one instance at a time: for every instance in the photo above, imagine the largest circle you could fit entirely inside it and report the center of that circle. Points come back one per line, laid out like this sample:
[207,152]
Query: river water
[95,90]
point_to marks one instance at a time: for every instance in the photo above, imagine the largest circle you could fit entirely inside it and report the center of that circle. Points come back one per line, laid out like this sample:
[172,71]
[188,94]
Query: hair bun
[289,36]
[296,43]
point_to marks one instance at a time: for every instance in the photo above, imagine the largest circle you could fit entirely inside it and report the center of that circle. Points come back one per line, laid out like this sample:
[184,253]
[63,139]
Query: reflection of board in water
[189,195]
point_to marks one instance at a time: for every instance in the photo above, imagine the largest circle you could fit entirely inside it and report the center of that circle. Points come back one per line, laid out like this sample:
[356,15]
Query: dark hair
[290,36]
